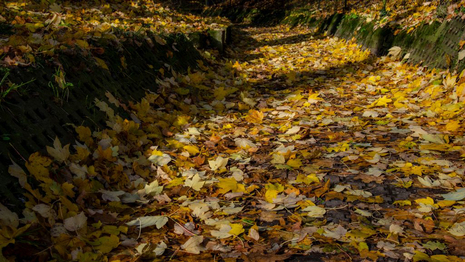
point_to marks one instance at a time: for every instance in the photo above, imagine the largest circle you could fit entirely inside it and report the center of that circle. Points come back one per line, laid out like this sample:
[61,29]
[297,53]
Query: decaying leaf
[75,223]
[195,183]
[147,221]
[8,218]
[193,245]
[315,211]
[458,229]
[58,152]
[219,164]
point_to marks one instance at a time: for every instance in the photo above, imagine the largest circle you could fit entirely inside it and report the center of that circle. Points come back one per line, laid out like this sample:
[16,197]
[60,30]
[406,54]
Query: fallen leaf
[160,249]
[147,221]
[315,211]
[254,117]
[193,245]
[455,196]
[458,229]
[58,152]
[8,218]
[218,164]
[195,183]
[75,223]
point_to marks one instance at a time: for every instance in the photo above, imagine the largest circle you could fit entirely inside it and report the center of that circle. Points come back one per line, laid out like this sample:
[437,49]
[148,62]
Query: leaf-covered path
[297,146]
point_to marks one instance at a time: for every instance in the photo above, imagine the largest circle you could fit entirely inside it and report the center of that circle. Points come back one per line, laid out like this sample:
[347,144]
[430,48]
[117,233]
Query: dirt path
[314,151]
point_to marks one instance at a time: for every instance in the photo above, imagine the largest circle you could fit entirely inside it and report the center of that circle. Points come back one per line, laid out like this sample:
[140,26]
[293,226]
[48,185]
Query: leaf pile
[286,148]
[33,28]
[400,14]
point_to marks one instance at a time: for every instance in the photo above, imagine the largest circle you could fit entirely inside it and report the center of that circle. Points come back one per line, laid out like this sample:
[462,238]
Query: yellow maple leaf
[398,104]
[221,92]
[84,135]
[196,78]
[446,203]
[294,163]
[374,79]
[237,66]
[101,63]
[193,150]
[417,170]
[68,189]
[182,121]
[229,184]
[314,98]
[312,178]
[254,116]
[403,202]
[105,153]
[426,201]
[236,229]
[37,166]
[107,243]
[272,191]
[460,91]
[82,44]
[382,101]
[453,125]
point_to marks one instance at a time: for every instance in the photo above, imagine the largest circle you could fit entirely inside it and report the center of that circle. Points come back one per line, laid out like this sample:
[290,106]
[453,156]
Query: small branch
[176,251]
[17,152]
[184,228]
[140,228]
[339,246]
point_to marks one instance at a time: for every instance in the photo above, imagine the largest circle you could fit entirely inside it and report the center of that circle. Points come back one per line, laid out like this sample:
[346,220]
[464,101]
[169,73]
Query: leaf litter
[308,148]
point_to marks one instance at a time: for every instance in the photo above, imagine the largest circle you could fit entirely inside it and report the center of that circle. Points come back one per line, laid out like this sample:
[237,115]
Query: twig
[336,208]
[339,246]
[17,152]
[50,247]
[140,228]
[184,228]
[290,240]
[242,242]
[288,210]
[176,251]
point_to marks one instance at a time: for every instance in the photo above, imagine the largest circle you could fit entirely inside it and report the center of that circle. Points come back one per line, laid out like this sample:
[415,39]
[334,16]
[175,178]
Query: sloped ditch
[36,113]
[435,45]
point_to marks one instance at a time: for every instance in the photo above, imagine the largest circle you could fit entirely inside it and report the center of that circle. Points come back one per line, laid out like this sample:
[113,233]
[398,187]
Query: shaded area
[34,115]
[247,43]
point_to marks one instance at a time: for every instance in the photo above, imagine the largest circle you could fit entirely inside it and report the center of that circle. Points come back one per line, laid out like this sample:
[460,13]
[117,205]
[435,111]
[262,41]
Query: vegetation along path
[295,147]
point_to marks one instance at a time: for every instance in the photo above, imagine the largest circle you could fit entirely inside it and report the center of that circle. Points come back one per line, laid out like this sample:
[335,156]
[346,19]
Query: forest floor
[295,147]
